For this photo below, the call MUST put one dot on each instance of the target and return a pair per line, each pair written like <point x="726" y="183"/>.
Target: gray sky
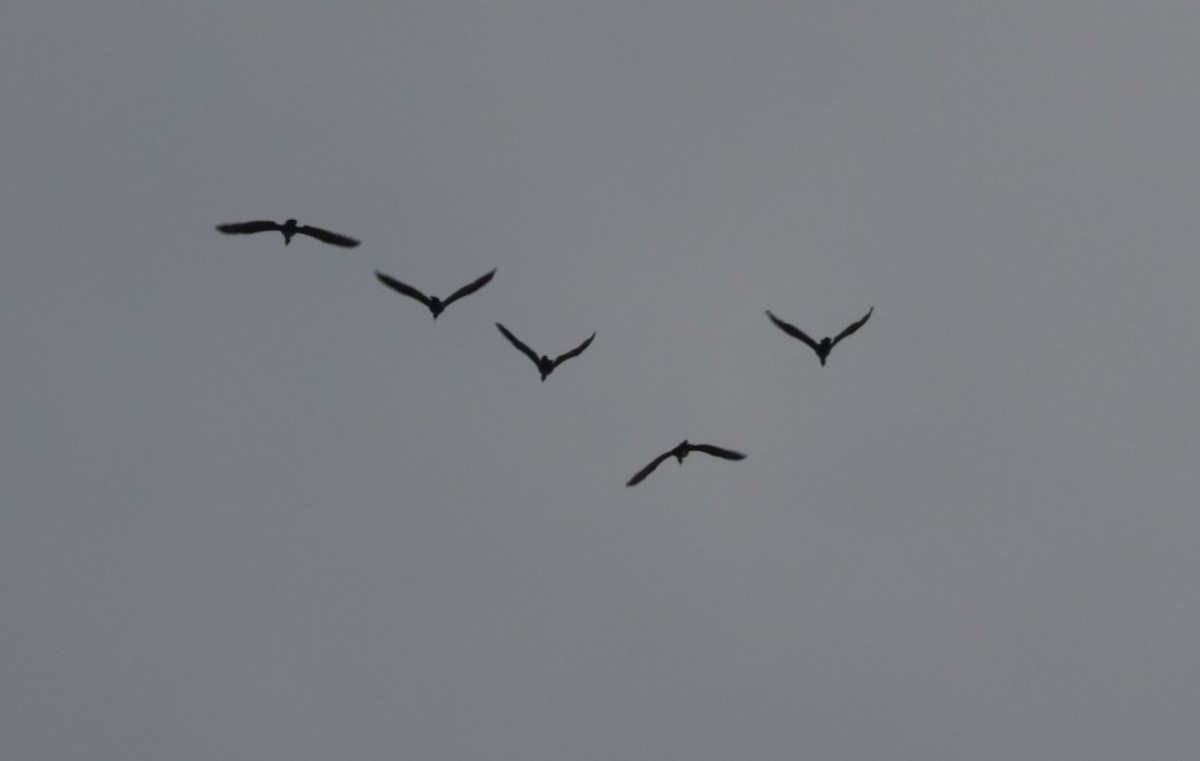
<point x="253" y="505"/>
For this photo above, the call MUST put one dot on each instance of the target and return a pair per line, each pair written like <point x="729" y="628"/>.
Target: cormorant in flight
<point x="288" y="229"/>
<point x="545" y="365"/>
<point x="679" y="453"/>
<point x="436" y="305"/>
<point x="826" y="345"/>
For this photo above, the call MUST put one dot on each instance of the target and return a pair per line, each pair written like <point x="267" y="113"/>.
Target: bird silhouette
<point x="288" y="229"/>
<point x="545" y="365"/>
<point x="826" y="345"/>
<point x="679" y="453"/>
<point x="436" y="305"/>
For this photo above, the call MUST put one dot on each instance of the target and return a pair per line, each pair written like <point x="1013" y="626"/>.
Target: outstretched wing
<point x="573" y="352"/>
<point x="728" y="454"/>
<point x="245" y="228"/>
<point x="517" y="343"/>
<point x="407" y="290"/>
<point x="469" y="289"/>
<point x="853" y="327"/>
<point x="793" y="331"/>
<point x="327" y="237"/>
<point x="641" y="474"/>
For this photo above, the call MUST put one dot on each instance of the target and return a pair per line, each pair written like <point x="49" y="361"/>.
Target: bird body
<point x="545" y="364"/>
<point x="436" y="305"/>
<point x="679" y="453"/>
<point x="826" y="344"/>
<point x="288" y="229"/>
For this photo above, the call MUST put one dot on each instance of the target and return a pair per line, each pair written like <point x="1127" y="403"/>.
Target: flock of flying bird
<point x="544" y="363"/>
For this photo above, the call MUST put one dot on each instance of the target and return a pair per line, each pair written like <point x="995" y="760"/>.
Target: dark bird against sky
<point x="436" y="305"/>
<point x="288" y="229"/>
<point x="679" y="453"/>
<point x="545" y="365"/>
<point x="826" y="345"/>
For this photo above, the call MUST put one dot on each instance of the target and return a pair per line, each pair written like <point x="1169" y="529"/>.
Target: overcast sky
<point x="254" y="505"/>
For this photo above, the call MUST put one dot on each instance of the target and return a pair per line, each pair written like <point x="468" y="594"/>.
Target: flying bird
<point x="826" y="345"/>
<point x="288" y="229"/>
<point x="679" y="453"/>
<point x="436" y="305"/>
<point x="545" y="365"/>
